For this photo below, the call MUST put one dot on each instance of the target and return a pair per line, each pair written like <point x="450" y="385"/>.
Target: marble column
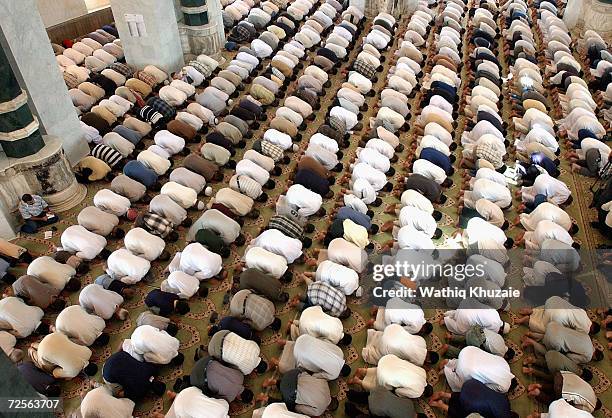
<point x="201" y="27"/>
<point x="152" y="37"/>
<point x="583" y="15"/>
<point x="27" y="47"/>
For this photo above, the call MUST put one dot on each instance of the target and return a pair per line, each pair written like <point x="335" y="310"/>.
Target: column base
<point x="46" y="173"/>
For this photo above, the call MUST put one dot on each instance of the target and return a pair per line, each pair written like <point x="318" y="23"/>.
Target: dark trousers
<point x="31" y="226"/>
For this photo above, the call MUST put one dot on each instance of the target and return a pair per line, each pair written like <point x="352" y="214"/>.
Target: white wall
<point x="54" y="12"/>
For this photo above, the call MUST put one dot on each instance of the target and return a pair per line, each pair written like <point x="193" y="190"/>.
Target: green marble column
<point x="19" y="134"/>
<point x="195" y="12"/>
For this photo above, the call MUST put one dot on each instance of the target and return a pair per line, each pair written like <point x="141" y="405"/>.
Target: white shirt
<point x="184" y="196"/>
<point x="24" y="319"/>
<point x="415" y="199"/>
<point x="182" y="284"/>
<point x="170" y="142"/>
<point x="407" y="379"/>
<point x="338" y="276"/>
<point x="96" y="299"/>
<point x="111" y="202"/>
<point x="192" y="403"/>
<point x="376" y="178"/>
<point x="127" y="267"/>
<point x="249" y="168"/>
<point x="198" y="261"/>
<point x="278" y="138"/>
<point x="396" y="340"/>
<point x="460" y="320"/>
<point x="100" y="402"/>
<point x="78" y="325"/>
<point x="306" y="200"/>
<point x="398" y="311"/>
<point x="374" y="158"/>
<point x="475" y="363"/>
<point x="314" y="322"/>
<point x="278" y="243"/>
<point x="148" y="343"/>
<point x="80" y="241"/>
<point x="144" y="244"/>
<point x="265" y="261"/>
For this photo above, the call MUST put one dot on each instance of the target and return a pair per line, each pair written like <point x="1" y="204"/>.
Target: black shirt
<point x="164" y="301"/>
<point x="134" y="376"/>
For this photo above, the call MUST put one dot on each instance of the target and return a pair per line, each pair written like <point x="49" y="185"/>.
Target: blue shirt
<point x="129" y="134"/>
<point x="359" y="218"/>
<point x="138" y="171"/>
<point x="436" y="157"/>
<point x="546" y="163"/>
<point x="475" y="397"/>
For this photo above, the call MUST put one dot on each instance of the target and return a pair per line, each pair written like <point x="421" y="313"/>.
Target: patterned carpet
<point x="193" y="326"/>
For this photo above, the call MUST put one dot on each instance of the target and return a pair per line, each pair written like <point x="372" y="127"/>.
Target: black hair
<point x="240" y="240"/>
<point x="598" y="405"/>
<point x="270" y="184"/>
<point x="276" y="324"/>
<point x="187" y="222"/>
<point x="26" y="197"/>
<point x="42" y="329"/>
<point x="346" y="370"/>
<point x="178" y="360"/>
<point x="442" y="199"/>
<point x="172" y="236"/>
<point x="283" y="297"/>
<point x="73" y="285"/>
<point x="158" y="388"/>
<point x="306" y="242"/>
<point x="346" y="339"/>
<point x="54" y="390"/>
<point x="182" y="307"/>
<point x="164" y="256"/>
<point x="261" y="367"/>
<point x="505" y="225"/>
<point x="513" y="384"/>
<point x="426" y="328"/>
<point x="437" y="233"/>
<point x="374" y="228"/>
<point x="104" y="253"/>
<point x="509" y="354"/>
<point x="102" y="340"/>
<point x="9" y="278"/>
<point x="172" y="329"/>
<point x="118" y="233"/>
<point x="428" y="391"/>
<point x="224" y="252"/>
<point x="509" y="243"/>
<point x="437" y="215"/>
<point x="246" y="396"/>
<point x="595" y="328"/>
<point x="213" y="330"/>
<point x="91" y="369"/>
<point x="345" y="314"/>
<point x="586" y="375"/>
<point x="82" y="268"/>
<point x="433" y="357"/>
<point x="598" y="355"/>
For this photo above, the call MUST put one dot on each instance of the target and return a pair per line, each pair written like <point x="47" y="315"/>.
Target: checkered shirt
<point x="259" y="310"/>
<point x="206" y="71"/>
<point x="326" y="296"/>
<point x="241" y="34"/>
<point x="167" y="111"/>
<point x="271" y="150"/>
<point x="146" y="77"/>
<point x="156" y="224"/>
<point x="287" y="226"/>
<point x="364" y="68"/>
<point x="123" y="69"/>
<point x="338" y="124"/>
<point x="489" y="153"/>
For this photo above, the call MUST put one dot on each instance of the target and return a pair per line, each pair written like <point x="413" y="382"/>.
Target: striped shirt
<point x="106" y="154"/>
